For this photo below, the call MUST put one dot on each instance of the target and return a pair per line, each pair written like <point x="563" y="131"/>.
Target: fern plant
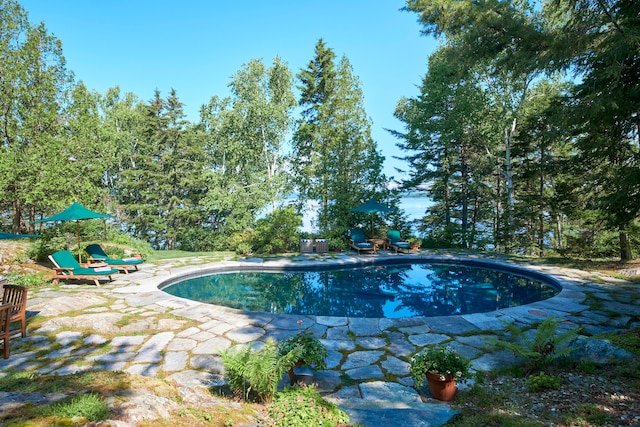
<point x="257" y="372"/>
<point x="540" y="349"/>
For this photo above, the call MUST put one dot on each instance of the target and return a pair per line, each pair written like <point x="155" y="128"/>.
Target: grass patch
<point x="492" y="420"/>
<point x="90" y="406"/>
<point x="587" y="415"/>
<point x="177" y="254"/>
<point x="629" y="340"/>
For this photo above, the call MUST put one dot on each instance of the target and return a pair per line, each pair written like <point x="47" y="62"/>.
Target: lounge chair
<point x="396" y="243"/>
<point x="96" y="254"/>
<point x="67" y="268"/>
<point x="358" y="242"/>
<point x="16" y="296"/>
<point x="5" y="333"/>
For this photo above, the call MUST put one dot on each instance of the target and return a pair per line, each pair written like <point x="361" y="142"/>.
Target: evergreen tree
<point x="163" y="186"/>
<point x="447" y="145"/>
<point x="601" y="41"/>
<point x="335" y="160"/>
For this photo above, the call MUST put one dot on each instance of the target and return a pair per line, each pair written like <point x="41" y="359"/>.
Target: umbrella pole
<point x="78" y="232"/>
<point x="372" y="236"/>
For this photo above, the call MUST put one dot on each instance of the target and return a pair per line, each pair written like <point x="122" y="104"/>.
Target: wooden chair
<point x="16" y="296"/>
<point x="97" y="254"/>
<point x="5" y="333"/>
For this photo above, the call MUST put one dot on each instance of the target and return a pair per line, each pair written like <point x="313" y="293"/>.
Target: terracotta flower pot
<point x="444" y="390"/>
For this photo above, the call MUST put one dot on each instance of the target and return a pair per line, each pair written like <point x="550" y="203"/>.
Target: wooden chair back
<point x="16" y="296"/>
<point x="5" y="333"/>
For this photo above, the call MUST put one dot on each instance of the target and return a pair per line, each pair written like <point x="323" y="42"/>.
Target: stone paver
<point x="189" y="336"/>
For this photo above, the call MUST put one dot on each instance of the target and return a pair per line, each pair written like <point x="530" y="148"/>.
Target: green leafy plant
<point x="337" y="244"/>
<point x="415" y="241"/>
<point x="441" y="360"/>
<point x="243" y="249"/>
<point x="541" y="349"/>
<point x="277" y="232"/>
<point x="542" y="382"/>
<point x="257" y="372"/>
<point x="304" y="406"/>
<point x="313" y="352"/>
<point x="26" y="279"/>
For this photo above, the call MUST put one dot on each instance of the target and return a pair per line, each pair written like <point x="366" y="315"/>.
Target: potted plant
<point x="442" y="367"/>
<point x="337" y="245"/>
<point x="414" y="242"/>
<point x="314" y="353"/>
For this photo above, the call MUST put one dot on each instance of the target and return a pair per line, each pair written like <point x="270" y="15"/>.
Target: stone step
<point x="385" y="404"/>
<point x="386" y="413"/>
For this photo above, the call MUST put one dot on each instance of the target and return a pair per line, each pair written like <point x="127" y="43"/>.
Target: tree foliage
<point x="335" y="161"/>
<point x="33" y="91"/>
<point x="558" y="84"/>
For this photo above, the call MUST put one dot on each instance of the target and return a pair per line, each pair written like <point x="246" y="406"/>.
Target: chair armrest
<point x="62" y="269"/>
<point x="95" y="262"/>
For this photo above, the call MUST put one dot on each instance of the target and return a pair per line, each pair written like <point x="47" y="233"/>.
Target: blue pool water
<point x="384" y="291"/>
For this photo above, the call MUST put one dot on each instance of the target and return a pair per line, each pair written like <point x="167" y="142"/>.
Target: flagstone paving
<point x="131" y="325"/>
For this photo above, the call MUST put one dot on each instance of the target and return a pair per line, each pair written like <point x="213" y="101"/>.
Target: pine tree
<point x="335" y="160"/>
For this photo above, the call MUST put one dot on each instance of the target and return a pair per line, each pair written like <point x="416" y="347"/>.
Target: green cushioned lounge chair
<point x="396" y="243"/>
<point x="358" y="242"/>
<point x="66" y="268"/>
<point x="96" y="254"/>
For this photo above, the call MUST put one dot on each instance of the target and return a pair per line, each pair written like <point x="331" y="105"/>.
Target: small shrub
<point x="304" y="406"/>
<point x="239" y="238"/>
<point x="543" y="382"/>
<point x="278" y="231"/>
<point x="313" y="353"/>
<point x="243" y="249"/>
<point x="29" y="280"/>
<point x="257" y="372"/>
<point x="545" y="347"/>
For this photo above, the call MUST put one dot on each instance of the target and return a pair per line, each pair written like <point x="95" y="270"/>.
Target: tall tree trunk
<point x="17" y="216"/>
<point x="465" y="201"/>
<point x="508" y="138"/>
<point x="625" y="246"/>
<point x="497" y="228"/>
<point x="541" y="208"/>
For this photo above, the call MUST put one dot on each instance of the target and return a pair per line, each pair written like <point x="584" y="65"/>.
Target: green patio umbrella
<point x="372" y="206"/>
<point x="6" y="236"/>
<point x="76" y="212"/>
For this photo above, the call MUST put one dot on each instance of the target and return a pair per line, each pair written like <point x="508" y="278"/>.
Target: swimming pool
<point x="401" y="290"/>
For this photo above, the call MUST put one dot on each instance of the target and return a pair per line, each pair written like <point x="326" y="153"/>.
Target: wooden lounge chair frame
<point x="5" y="332"/>
<point x="398" y="246"/>
<point x="16" y="295"/>
<point x="354" y="241"/>
<point x="68" y="273"/>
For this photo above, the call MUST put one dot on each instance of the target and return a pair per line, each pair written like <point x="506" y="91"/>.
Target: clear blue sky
<point x="195" y="47"/>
